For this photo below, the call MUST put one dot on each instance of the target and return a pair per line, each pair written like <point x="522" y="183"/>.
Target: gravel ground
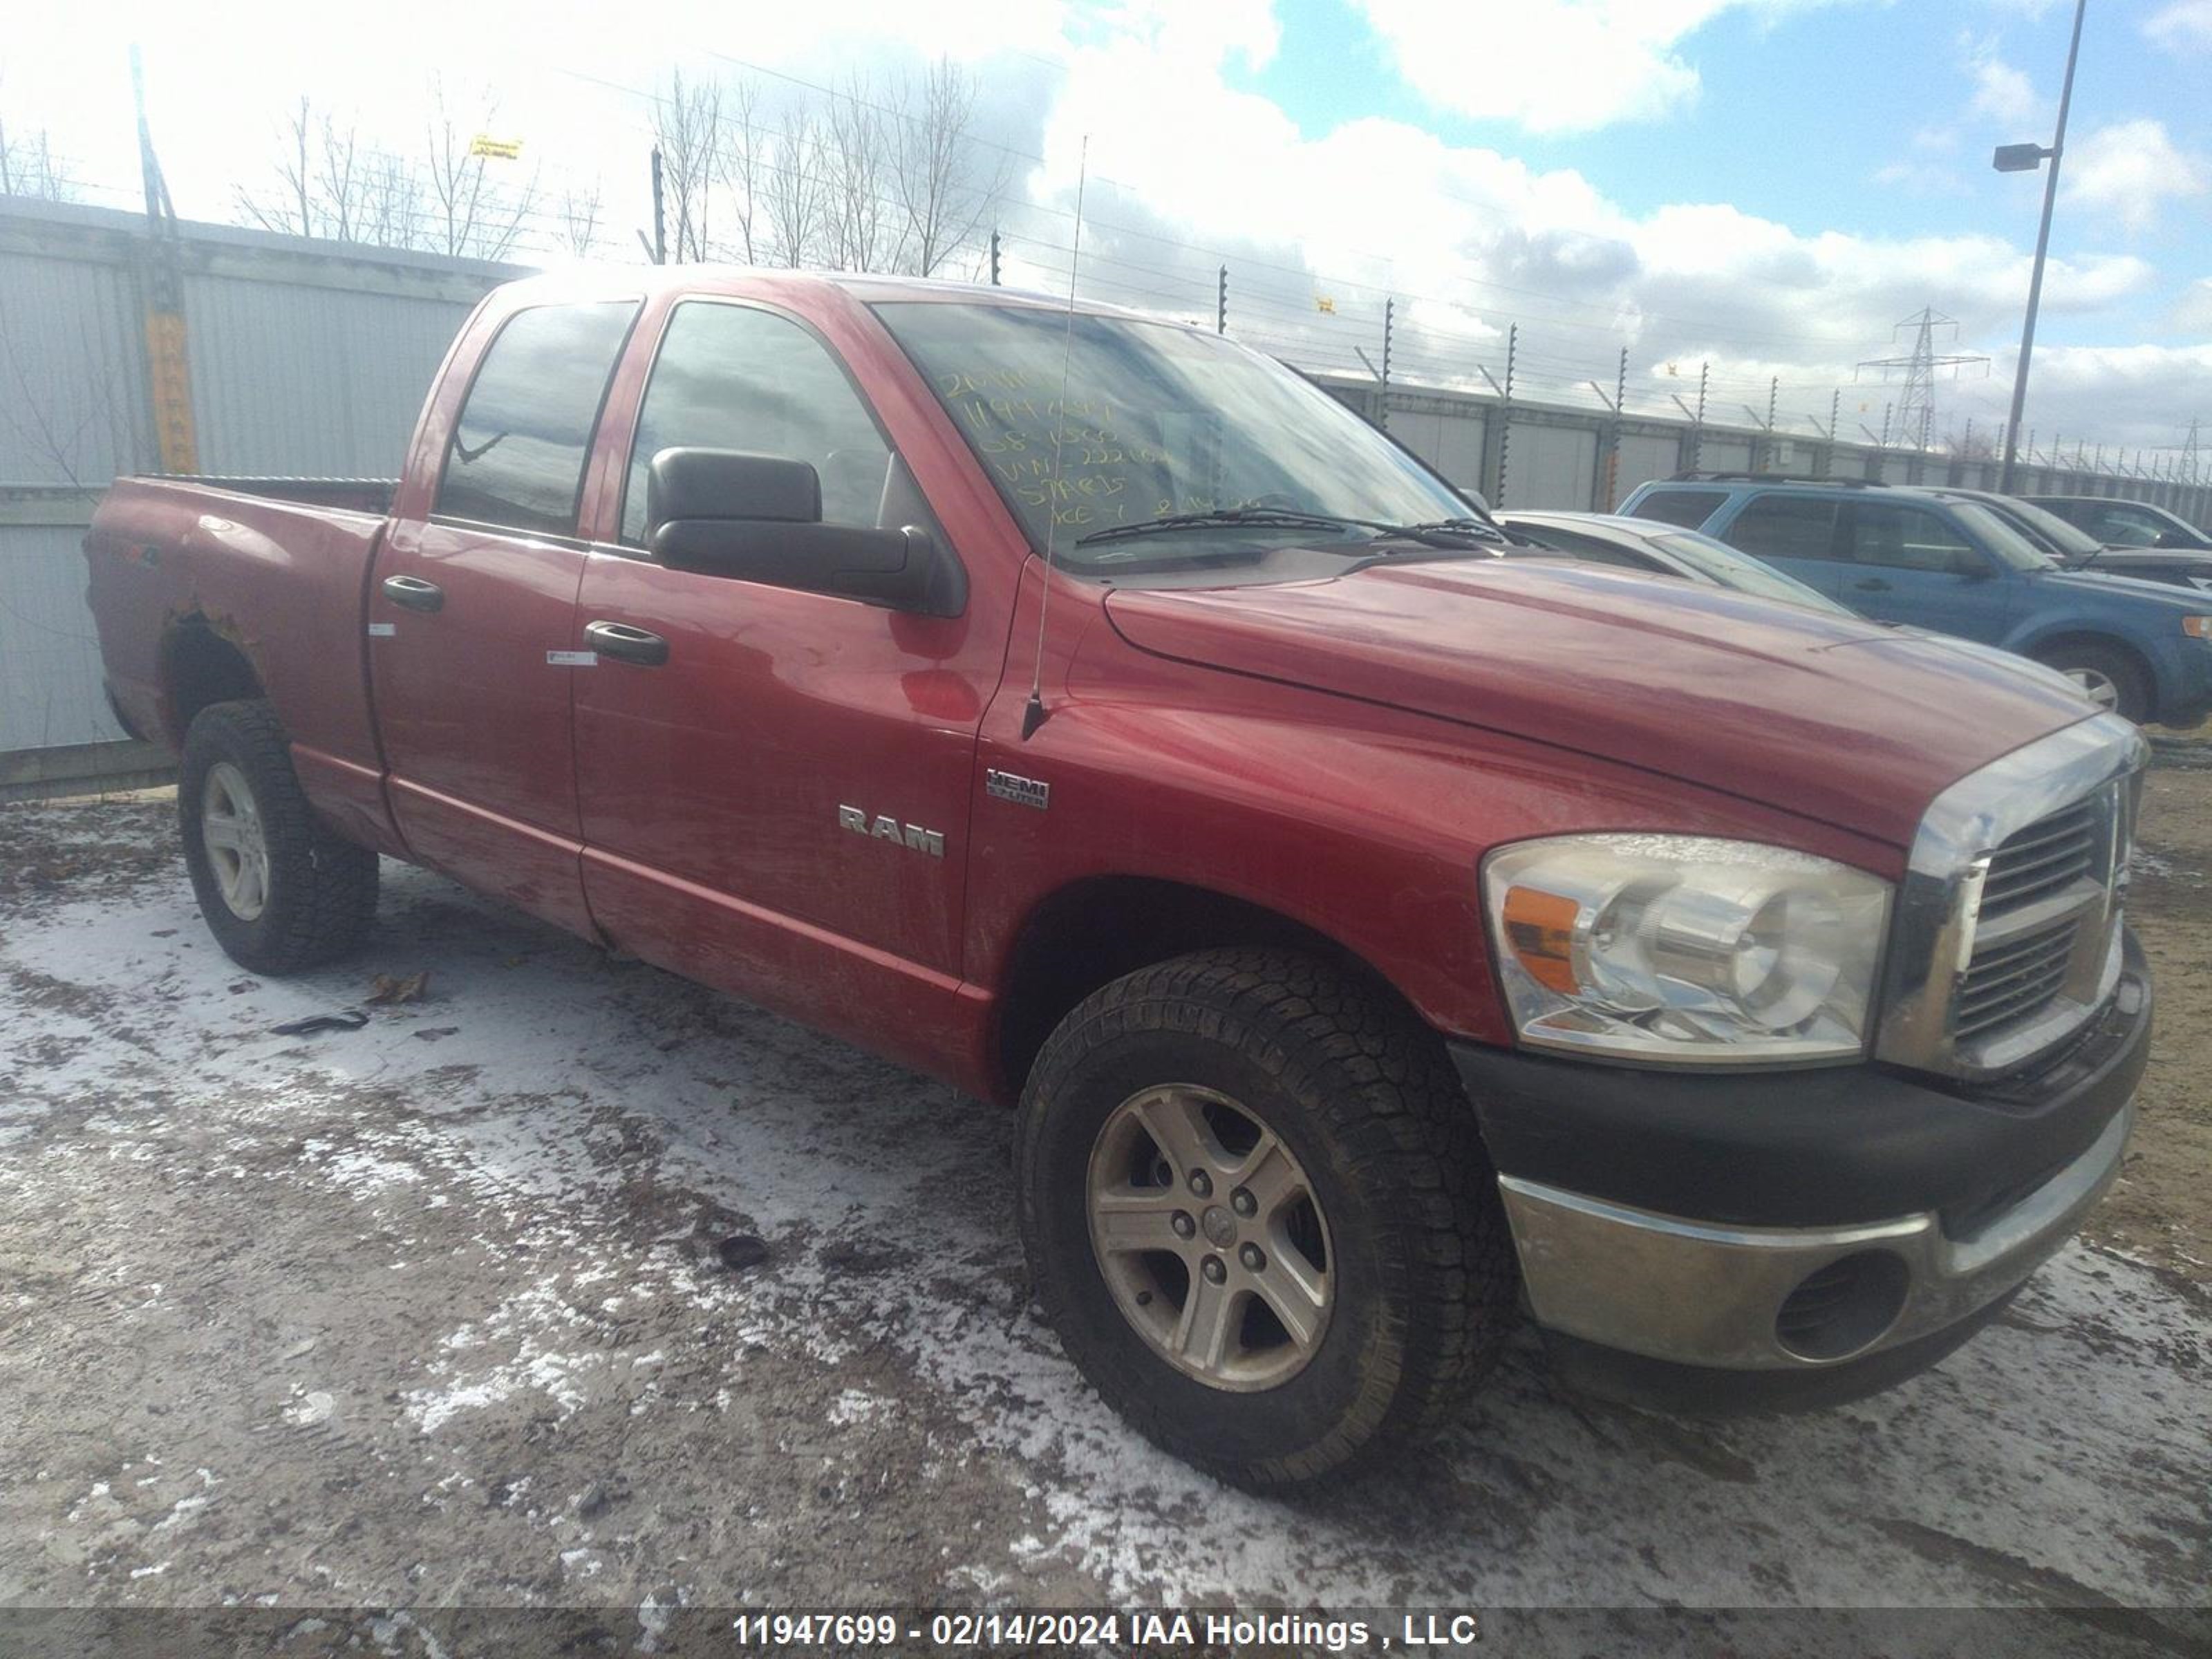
<point x="435" y="1313"/>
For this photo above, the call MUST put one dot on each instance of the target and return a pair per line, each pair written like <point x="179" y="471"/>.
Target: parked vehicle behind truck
<point x="1939" y="561"/>
<point x="1373" y="935"/>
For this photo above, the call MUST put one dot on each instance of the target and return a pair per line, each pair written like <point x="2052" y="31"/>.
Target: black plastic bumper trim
<point x="1809" y="1148"/>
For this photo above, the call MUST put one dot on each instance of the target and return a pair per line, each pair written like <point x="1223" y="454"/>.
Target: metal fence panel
<point x="50" y="674"/>
<point x="1645" y="456"/>
<point x="1551" y="466"/>
<point x="73" y="404"/>
<point x="307" y="381"/>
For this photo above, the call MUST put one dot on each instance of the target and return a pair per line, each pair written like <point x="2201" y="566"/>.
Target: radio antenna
<point x="1033" y="714"/>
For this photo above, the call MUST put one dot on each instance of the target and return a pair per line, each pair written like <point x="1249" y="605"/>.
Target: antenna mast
<point x="1033" y="714"/>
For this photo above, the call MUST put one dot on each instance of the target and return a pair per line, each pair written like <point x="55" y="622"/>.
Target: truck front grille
<point x="2006" y="935"/>
<point x="2013" y="979"/>
<point x="2045" y="858"/>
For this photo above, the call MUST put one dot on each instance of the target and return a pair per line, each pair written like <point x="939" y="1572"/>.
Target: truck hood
<point x="1828" y="716"/>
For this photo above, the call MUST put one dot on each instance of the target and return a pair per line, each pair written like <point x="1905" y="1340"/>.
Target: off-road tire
<point x="321" y="893"/>
<point x="1362" y="1094"/>
<point x="2135" y="697"/>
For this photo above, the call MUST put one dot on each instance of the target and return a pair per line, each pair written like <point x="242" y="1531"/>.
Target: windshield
<point x="1722" y="564"/>
<point x="2004" y="543"/>
<point x="1158" y="420"/>
<point x="2070" y="539"/>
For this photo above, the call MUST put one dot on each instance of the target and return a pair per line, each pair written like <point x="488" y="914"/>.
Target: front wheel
<point x="2108" y="678"/>
<point x="1257" y="1214"/>
<point x="280" y="891"/>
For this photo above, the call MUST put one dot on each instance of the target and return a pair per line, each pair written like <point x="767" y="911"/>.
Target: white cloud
<point x="2185" y="24"/>
<point x="2193" y="312"/>
<point x="1468" y="240"/>
<point x="1552" y="65"/>
<point x="2132" y="170"/>
<point x="2003" y="94"/>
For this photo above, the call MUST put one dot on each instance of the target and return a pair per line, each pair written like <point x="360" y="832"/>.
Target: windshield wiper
<point x="1448" y="532"/>
<point x="1283" y="518"/>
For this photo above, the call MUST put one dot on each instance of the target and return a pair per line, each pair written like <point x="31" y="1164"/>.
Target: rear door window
<point x="2125" y="527"/>
<point x="1779" y="526"/>
<point x="516" y="459"/>
<point x="1908" y="538"/>
<point x="1689" y="509"/>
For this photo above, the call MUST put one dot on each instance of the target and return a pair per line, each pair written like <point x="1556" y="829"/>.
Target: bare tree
<point x="855" y="158"/>
<point x="744" y="160"/>
<point x="289" y="205"/>
<point x="792" y="196"/>
<point x="579" y="230"/>
<point x="29" y="166"/>
<point x="687" y="126"/>
<point x="945" y="186"/>
<point x="469" y="213"/>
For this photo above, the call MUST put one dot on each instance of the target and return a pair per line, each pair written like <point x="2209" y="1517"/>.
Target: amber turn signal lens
<point x="1540" y="928"/>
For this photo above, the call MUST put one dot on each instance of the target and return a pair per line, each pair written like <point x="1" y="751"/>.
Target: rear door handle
<point x="414" y="593"/>
<point x="627" y="644"/>
<point x="1872" y="584"/>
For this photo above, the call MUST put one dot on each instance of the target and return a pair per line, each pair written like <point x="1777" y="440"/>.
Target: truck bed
<point x="271" y="570"/>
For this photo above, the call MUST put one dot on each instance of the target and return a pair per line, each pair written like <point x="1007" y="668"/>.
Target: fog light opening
<point x="1839" y="1309"/>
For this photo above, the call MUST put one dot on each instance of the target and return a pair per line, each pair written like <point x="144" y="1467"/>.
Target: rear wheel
<point x="280" y="891"/>
<point x="1256" y="1213"/>
<point x="2110" y="678"/>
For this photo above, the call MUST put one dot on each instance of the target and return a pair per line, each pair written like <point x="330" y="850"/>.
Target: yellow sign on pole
<point x="498" y="149"/>
<point x="171" y="374"/>
<point x="1325" y="302"/>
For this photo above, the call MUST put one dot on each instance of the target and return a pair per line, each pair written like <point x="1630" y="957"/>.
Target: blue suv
<point x="1957" y="567"/>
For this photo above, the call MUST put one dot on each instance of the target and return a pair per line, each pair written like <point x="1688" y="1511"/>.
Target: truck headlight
<point x="1685" y="949"/>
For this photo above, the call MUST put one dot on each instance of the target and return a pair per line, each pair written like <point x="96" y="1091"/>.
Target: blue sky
<point x="1759" y="187"/>
<point x="1872" y="118"/>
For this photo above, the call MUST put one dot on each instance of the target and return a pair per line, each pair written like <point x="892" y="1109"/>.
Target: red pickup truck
<point x="1381" y="940"/>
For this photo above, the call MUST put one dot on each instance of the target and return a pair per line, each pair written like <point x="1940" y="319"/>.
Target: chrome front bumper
<point x="1692" y="1293"/>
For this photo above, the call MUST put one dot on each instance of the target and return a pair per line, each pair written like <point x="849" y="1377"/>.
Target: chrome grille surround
<point x="1974" y="991"/>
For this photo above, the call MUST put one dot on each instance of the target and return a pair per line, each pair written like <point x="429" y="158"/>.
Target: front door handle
<point x="414" y="593"/>
<point x="1872" y="584"/>
<point x="627" y="644"/>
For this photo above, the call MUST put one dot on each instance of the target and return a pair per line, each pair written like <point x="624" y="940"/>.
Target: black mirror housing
<point x="758" y="517"/>
<point x="902" y="569"/>
<point x="728" y="483"/>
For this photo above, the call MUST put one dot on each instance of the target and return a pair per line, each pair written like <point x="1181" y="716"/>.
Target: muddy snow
<point x="435" y="1313"/>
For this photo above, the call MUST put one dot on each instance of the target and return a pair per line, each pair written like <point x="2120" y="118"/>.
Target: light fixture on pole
<point x="2024" y="158"/>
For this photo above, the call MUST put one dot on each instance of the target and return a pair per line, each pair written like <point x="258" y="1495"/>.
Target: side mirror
<point x="758" y="517"/>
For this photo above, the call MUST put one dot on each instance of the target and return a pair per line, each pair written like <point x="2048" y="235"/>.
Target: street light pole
<point x="2009" y="158"/>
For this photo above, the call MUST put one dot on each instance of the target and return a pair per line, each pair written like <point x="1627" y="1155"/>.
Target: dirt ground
<point x="2161" y="1209"/>
<point x="434" y="1313"/>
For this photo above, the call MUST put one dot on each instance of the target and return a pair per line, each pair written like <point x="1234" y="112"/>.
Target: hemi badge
<point x="572" y="659"/>
<point x="1023" y="791"/>
<point x="382" y="630"/>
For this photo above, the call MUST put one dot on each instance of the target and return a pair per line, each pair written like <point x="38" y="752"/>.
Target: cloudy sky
<point x="1763" y="186"/>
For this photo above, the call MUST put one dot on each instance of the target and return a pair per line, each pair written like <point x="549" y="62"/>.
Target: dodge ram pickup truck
<point x="1381" y="941"/>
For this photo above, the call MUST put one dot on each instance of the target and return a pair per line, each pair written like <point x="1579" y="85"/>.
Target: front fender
<point x="1363" y="823"/>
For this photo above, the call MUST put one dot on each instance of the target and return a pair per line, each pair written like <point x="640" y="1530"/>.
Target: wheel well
<point x="201" y="667"/>
<point x="2044" y="650"/>
<point x="1093" y="932"/>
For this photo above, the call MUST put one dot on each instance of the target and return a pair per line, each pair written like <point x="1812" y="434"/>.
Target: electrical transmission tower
<point x="2189" y="454"/>
<point x="1916" y="404"/>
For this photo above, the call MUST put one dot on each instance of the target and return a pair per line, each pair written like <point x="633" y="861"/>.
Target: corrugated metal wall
<point x="50" y="691"/>
<point x="305" y="358"/>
